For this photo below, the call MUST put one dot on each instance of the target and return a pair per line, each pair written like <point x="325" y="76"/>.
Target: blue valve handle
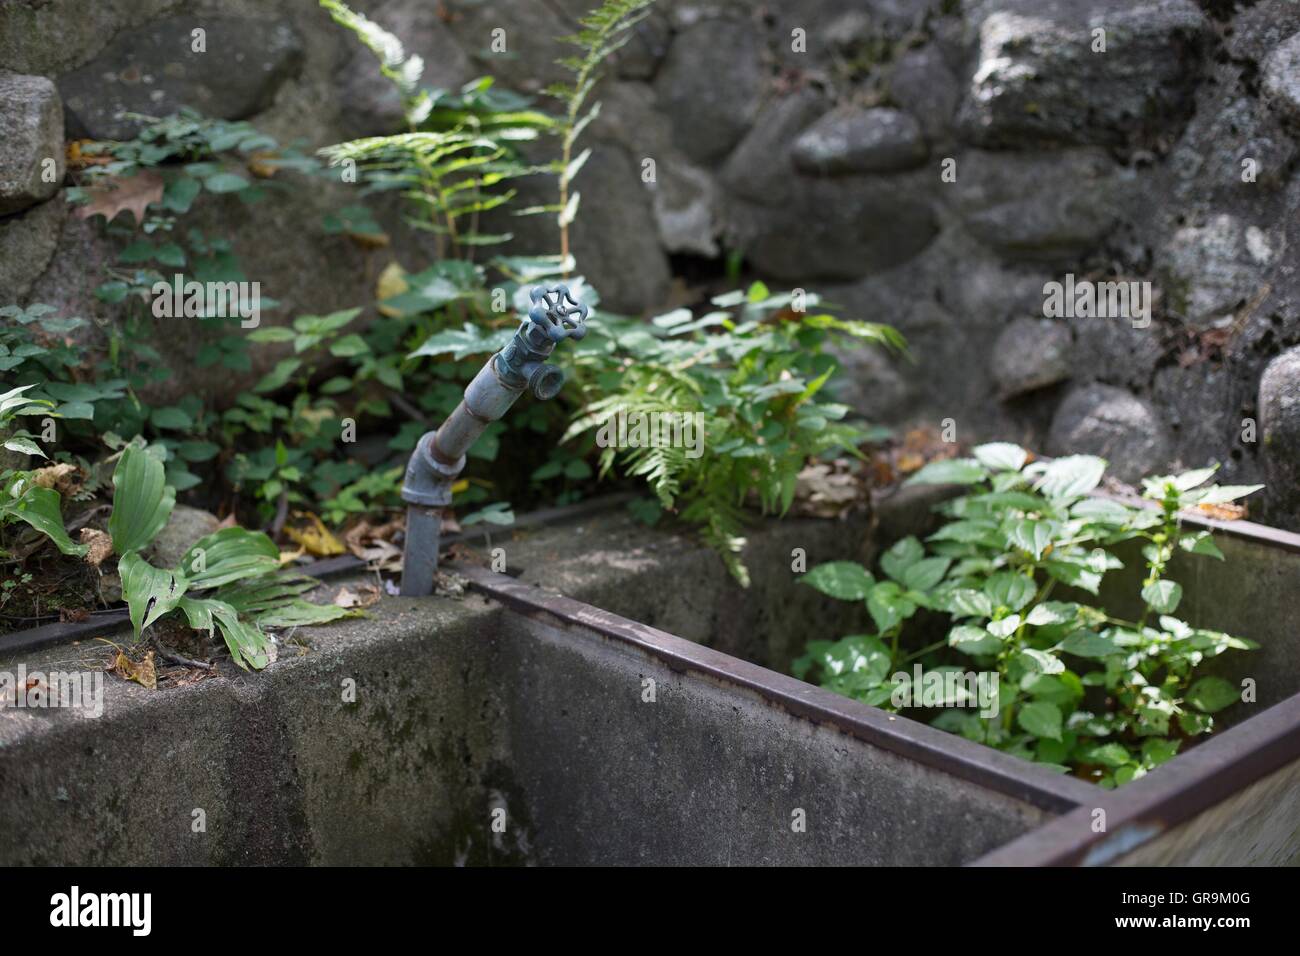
<point x="557" y="313"/>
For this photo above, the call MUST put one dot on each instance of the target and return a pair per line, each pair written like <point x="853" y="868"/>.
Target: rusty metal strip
<point x="1193" y="782"/>
<point x="934" y="748"/>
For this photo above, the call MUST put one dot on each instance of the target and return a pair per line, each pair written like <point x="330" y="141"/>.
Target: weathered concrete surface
<point x="462" y="709"/>
<point x="465" y="713"/>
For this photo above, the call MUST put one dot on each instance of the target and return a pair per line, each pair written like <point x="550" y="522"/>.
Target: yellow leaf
<point x="459" y="486"/>
<point x="143" y="673"/>
<point x="392" y="281"/>
<point x="315" y="537"/>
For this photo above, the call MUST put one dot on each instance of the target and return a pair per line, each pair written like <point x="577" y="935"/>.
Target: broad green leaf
<point x="149" y="592"/>
<point x="1040" y="718"/>
<point x="973" y="640"/>
<point x="887" y="606"/>
<point x="1071" y="477"/>
<point x="1052" y="612"/>
<point x="1163" y="595"/>
<point x="1004" y="627"/>
<point x="949" y="471"/>
<point x="1033" y="536"/>
<point x="1212" y="694"/>
<point x="1202" y="542"/>
<point x="142" y="502"/>
<point x="1222" y="494"/>
<point x="230" y="554"/>
<point x="1089" y="644"/>
<point x="39" y="507"/>
<point x="1001" y="456"/>
<point x="845" y="580"/>
<point x="1010" y="590"/>
<point x="1041" y="662"/>
<point x="901" y="556"/>
<point x="1107" y="755"/>
<point x="925" y="574"/>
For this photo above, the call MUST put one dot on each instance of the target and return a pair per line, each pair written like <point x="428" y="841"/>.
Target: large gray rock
<point x="761" y="168"/>
<point x="1279" y="426"/>
<point x="1038" y="80"/>
<point x="1214" y="268"/>
<point x="853" y="140"/>
<point x="1281" y="83"/>
<point x="1030" y="354"/>
<point x="923" y="85"/>
<point x="710" y="85"/>
<point x="27" y="243"/>
<point x="1038" y="205"/>
<point x="185" y="526"/>
<point x="31" y="141"/>
<point x="371" y="104"/>
<point x="835" y="228"/>
<point x="155" y="70"/>
<point x="1114" y="424"/>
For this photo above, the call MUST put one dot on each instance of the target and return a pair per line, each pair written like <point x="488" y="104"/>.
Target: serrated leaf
<point x="1212" y="694"/>
<point x="949" y="471"/>
<point x="1163" y="595"/>
<point x="1040" y="718"/>
<point x="1001" y="456"/>
<point x="1071" y="477"/>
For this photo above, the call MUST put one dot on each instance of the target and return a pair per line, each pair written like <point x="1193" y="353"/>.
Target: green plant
<point x="750" y="373"/>
<point x="1078" y="687"/>
<point x="604" y="31"/>
<point x="456" y="152"/>
<point x="229" y="581"/>
<point x="22" y="498"/>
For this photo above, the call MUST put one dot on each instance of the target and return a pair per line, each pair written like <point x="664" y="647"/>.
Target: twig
<point x="179" y="659"/>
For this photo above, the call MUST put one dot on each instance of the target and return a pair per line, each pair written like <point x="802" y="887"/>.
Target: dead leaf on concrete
<point x="101" y="545"/>
<point x="142" y="672"/>
<point x="108" y="197"/>
<point x="364" y="596"/>
<point x="314" y="536"/>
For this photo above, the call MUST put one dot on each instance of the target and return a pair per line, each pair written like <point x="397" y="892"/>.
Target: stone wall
<point x="929" y="163"/>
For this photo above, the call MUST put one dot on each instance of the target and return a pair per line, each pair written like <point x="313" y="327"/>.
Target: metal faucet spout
<point x="439" y="455"/>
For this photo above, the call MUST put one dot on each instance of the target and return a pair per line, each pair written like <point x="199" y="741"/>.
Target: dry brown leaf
<point x="314" y="536"/>
<point x="78" y="158"/>
<point x="142" y="672"/>
<point x="263" y="165"/>
<point x="370" y="240"/>
<point x="391" y="282"/>
<point x="133" y="193"/>
<point x="101" y="545"/>
<point x="364" y="596"/>
<point x="54" y="476"/>
<point x="1223" y="512"/>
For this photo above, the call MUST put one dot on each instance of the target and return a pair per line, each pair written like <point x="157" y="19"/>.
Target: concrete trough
<point x="619" y="702"/>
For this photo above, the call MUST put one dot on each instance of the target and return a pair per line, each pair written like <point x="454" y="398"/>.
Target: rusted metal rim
<point x="1191" y="783"/>
<point x="945" y="752"/>
<point x="62" y="632"/>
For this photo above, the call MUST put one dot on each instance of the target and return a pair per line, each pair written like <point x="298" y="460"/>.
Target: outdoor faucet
<point x="439" y="455"/>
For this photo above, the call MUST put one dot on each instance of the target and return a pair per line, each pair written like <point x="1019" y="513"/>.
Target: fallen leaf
<point x="101" y="545"/>
<point x="78" y="158"/>
<point x="1224" y="512"/>
<point x="55" y="476"/>
<point x="142" y="672"/>
<point x="909" y="461"/>
<point x="370" y="240"/>
<point x="369" y="594"/>
<point x="314" y="536"/>
<point x="263" y="165"/>
<point x="73" y="615"/>
<point x="392" y="281"/>
<point x="133" y="193"/>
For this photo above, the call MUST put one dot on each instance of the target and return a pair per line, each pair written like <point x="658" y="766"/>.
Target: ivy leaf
<point x="1040" y="718"/>
<point x="844" y="580"/>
